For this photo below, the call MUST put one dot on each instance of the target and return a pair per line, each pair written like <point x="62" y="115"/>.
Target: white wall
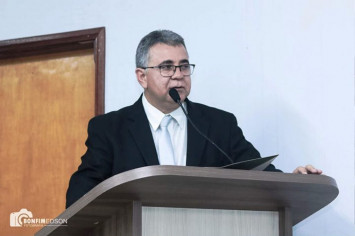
<point x="284" y="68"/>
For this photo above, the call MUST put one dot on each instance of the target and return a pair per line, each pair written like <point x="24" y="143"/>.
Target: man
<point x="135" y="136"/>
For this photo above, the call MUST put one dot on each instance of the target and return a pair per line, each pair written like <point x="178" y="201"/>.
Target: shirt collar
<point x="155" y="116"/>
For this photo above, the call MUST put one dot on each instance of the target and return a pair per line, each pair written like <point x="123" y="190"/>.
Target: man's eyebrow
<point x="170" y="62"/>
<point x="184" y="61"/>
<point x="167" y="62"/>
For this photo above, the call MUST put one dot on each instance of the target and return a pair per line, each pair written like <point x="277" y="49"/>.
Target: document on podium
<point x="253" y="164"/>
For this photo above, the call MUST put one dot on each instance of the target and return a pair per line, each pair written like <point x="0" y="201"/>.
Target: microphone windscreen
<point x="174" y="94"/>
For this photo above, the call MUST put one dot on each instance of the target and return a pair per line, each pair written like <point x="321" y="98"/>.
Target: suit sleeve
<point x="241" y="149"/>
<point x="96" y="163"/>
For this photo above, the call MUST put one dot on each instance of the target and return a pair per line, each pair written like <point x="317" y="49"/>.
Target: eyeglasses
<point x="169" y="70"/>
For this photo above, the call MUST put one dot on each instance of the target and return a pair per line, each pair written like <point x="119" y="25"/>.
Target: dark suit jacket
<point x="122" y="140"/>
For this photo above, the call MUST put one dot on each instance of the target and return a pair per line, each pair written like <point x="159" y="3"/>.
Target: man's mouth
<point x="178" y="88"/>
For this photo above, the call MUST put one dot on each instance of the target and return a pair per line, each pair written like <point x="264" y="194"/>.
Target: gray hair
<point x="159" y="36"/>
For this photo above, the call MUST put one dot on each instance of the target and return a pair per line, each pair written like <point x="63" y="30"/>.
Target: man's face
<point x="156" y="87"/>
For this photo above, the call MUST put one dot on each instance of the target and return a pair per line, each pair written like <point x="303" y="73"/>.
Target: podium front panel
<point x="166" y="221"/>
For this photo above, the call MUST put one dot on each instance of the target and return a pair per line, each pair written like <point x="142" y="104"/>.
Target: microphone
<point x="176" y="97"/>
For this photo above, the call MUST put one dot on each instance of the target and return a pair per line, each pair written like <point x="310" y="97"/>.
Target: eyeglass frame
<point x="160" y="66"/>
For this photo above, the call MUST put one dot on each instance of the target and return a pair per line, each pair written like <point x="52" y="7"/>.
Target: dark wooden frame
<point x="64" y="42"/>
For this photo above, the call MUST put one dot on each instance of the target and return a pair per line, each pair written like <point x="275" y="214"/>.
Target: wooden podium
<point x="194" y="201"/>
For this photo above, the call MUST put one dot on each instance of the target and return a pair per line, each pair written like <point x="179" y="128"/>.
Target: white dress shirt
<point x="177" y="129"/>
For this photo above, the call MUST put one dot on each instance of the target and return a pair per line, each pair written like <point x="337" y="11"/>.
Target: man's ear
<point x="141" y="77"/>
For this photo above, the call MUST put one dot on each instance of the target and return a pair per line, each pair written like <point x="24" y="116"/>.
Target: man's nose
<point x="177" y="74"/>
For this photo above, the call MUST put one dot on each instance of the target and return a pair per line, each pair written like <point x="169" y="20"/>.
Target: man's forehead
<point x="166" y="53"/>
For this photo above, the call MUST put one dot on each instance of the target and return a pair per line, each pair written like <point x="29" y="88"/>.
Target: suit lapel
<point x="142" y="134"/>
<point x="195" y="142"/>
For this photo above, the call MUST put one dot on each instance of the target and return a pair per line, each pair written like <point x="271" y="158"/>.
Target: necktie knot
<point x="165" y="121"/>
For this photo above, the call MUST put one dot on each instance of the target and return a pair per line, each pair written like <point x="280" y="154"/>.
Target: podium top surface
<point x="203" y="187"/>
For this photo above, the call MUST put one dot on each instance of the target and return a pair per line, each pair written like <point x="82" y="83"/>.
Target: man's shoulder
<point x="207" y="110"/>
<point x="118" y="115"/>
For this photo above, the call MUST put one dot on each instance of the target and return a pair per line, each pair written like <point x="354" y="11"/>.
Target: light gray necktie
<point x="166" y="152"/>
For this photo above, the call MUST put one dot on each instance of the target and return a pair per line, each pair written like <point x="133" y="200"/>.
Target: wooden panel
<point x="285" y="222"/>
<point x="45" y="103"/>
<point x="125" y="221"/>
<point x="161" y="221"/>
